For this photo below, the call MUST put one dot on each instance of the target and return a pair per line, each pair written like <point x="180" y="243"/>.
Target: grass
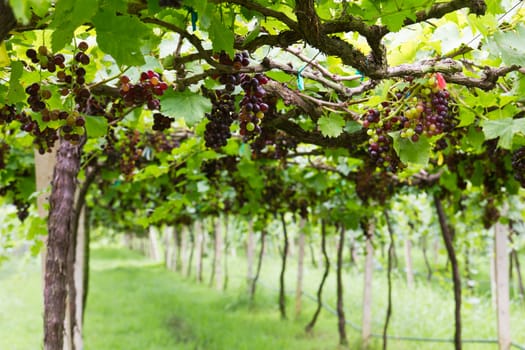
<point x="136" y="304"/>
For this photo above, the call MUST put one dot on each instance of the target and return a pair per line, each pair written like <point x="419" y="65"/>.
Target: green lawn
<point x="136" y="304"/>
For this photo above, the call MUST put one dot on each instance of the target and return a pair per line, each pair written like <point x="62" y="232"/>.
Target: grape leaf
<point x="331" y="125"/>
<point x="504" y="129"/>
<point x="509" y="45"/>
<point x="221" y="37"/>
<point x="16" y="91"/>
<point x="412" y="152"/>
<point x="123" y="44"/>
<point x="4" y="57"/>
<point x="68" y="16"/>
<point x="185" y="104"/>
<point x="96" y="126"/>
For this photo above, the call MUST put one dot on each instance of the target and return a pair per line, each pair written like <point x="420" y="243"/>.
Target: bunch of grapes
<point x="69" y="75"/>
<point x="47" y="60"/>
<point x="161" y="142"/>
<point x="170" y="3"/>
<point x="145" y="91"/>
<point x="272" y="143"/>
<point x="130" y="153"/>
<point x="422" y="108"/>
<point x="4" y="154"/>
<point x="212" y="167"/>
<point x="252" y="105"/>
<point x="518" y="165"/>
<point x="221" y="117"/>
<point x="7" y="114"/>
<point x="161" y="122"/>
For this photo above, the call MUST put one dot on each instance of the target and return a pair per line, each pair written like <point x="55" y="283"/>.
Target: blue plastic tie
<point x="194" y="17"/>
<point x="361" y="74"/>
<point x="300" y="80"/>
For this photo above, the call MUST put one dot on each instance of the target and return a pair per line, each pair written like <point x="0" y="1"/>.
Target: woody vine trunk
<point x="61" y="214"/>
<point x="447" y="233"/>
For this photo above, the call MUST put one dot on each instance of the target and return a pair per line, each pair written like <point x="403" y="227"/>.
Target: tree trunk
<point x="425" y="258"/>
<point x="61" y="208"/>
<point x="341" y="323"/>
<point x="408" y="263"/>
<point x="7" y="20"/>
<point x="177" y="248"/>
<point x="259" y="266"/>
<point x="191" y="233"/>
<point x="250" y="251"/>
<point x="282" y="291"/>
<point x="389" y="277"/>
<point x="300" y="268"/>
<point x="366" y="331"/>
<point x="446" y="231"/>
<point x="502" y="286"/>
<point x="311" y="325"/>
<point x="514" y="256"/>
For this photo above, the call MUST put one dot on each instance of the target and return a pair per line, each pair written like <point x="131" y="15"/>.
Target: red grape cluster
<point x="272" y="143"/>
<point x="252" y="105"/>
<point x="221" y="117"/>
<point x="170" y="3"/>
<point x="130" y="153"/>
<point x="161" y="142"/>
<point x="161" y="122"/>
<point x="420" y="108"/>
<point x="518" y="165"/>
<point x="4" y="154"/>
<point x="72" y="80"/>
<point x="144" y="92"/>
<point x="46" y="59"/>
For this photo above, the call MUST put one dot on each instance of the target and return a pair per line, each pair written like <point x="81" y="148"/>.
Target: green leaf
<point x="222" y="37"/>
<point x="68" y="16"/>
<point x="504" y="129"/>
<point x="186" y="104"/>
<point x="331" y="125"/>
<point x="412" y="152"/>
<point x="121" y="37"/>
<point x="96" y="126"/>
<point x="16" y="91"/>
<point x="509" y="45"/>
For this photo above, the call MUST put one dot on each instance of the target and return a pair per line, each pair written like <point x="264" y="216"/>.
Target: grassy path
<point x="134" y="304"/>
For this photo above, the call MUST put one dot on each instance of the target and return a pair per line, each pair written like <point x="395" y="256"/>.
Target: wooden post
<point x="218" y="253"/>
<point x="366" y="331"/>
<point x="502" y="286"/>
<point x="79" y="270"/>
<point x="154" y="244"/>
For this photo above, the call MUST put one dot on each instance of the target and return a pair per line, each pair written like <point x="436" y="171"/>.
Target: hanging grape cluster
<point x="70" y="77"/>
<point x="223" y="114"/>
<point x="274" y="144"/>
<point x="4" y="154"/>
<point x="144" y="92"/>
<point x="518" y="165"/>
<point x="417" y="108"/>
<point x="161" y="122"/>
